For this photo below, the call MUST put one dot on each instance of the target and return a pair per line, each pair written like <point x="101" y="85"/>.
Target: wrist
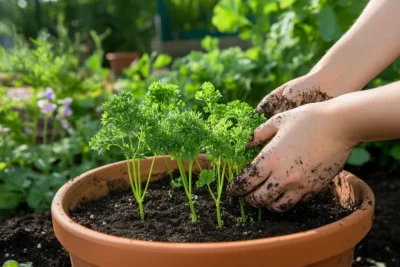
<point x="321" y="77"/>
<point x="336" y="114"/>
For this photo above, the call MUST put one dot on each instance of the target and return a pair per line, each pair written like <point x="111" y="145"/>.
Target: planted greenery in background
<point x="288" y="38"/>
<point x="239" y="74"/>
<point x="127" y="19"/>
<point x="47" y="62"/>
<point x="185" y="15"/>
<point x="293" y="35"/>
<point x="142" y="73"/>
<point x="47" y="114"/>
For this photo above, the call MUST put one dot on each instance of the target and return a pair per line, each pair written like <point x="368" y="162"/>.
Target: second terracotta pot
<point x="330" y="245"/>
<point x="120" y="61"/>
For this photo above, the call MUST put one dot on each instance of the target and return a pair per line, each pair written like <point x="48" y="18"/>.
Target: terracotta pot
<point x="120" y="61"/>
<point x="330" y="245"/>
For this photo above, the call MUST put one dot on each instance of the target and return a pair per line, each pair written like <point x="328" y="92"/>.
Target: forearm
<point x="369" y="115"/>
<point x="371" y="45"/>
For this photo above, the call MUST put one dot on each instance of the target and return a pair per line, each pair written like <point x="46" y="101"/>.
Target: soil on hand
<point x="30" y="238"/>
<point x="167" y="216"/>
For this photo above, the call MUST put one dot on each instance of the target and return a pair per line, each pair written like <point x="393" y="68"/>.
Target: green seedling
<point x="205" y="179"/>
<point x="230" y="127"/>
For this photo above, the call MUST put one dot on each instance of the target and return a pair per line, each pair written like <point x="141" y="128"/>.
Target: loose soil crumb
<point x="167" y="217"/>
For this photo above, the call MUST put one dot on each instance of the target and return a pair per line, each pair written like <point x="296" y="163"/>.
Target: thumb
<point x="264" y="132"/>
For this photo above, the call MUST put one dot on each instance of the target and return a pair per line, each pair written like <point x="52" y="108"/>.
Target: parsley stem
<point x="242" y="210"/>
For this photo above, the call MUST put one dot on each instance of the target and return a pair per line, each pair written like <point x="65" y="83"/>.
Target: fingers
<point x="252" y="176"/>
<point x="286" y="202"/>
<point x="269" y="104"/>
<point x="307" y="197"/>
<point x="264" y="132"/>
<point x="265" y="194"/>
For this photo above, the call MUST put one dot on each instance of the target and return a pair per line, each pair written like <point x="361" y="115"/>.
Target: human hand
<point x="303" y="90"/>
<point x="308" y="149"/>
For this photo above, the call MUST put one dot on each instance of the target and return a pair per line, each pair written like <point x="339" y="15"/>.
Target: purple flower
<point x="66" y="102"/>
<point x="48" y="93"/>
<point x="64" y="123"/>
<point x="19" y="94"/>
<point x="64" y="110"/>
<point x="46" y="107"/>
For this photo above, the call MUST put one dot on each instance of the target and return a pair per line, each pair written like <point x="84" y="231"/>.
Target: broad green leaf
<point x="209" y="43"/>
<point x="345" y="3"/>
<point x="395" y="152"/>
<point x="19" y="177"/>
<point x="358" y="157"/>
<point x="161" y="61"/>
<point x="35" y="199"/>
<point x="286" y="3"/>
<point x="246" y="34"/>
<point x="227" y="16"/>
<point x="253" y="53"/>
<point x="94" y="62"/>
<point x="10" y="196"/>
<point x="3" y="165"/>
<point x="270" y="7"/>
<point x="357" y="6"/>
<point x="143" y="65"/>
<point x="328" y="24"/>
<point x="11" y="263"/>
<point x="44" y="163"/>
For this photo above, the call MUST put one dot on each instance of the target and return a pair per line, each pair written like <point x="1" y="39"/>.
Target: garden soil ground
<point x="31" y="238"/>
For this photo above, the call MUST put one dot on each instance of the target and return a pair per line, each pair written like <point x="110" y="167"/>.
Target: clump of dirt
<point x="274" y="104"/>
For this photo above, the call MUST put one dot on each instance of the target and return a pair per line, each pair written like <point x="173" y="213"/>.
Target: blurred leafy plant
<point x="239" y="74"/>
<point x="127" y="20"/>
<point x="12" y="263"/>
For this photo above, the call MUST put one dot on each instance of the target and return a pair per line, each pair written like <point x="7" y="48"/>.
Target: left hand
<point x="308" y="149"/>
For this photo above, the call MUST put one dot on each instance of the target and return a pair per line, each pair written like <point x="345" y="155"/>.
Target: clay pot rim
<point x="61" y="216"/>
<point x="122" y="55"/>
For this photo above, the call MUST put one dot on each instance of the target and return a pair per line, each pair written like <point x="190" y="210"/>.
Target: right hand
<point x="303" y="90"/>
<point x="308" y="146"/>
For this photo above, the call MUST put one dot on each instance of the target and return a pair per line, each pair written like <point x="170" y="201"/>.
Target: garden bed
<point x="31" y="238"/>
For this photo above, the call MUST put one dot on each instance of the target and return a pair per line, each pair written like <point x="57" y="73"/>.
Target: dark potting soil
<point x="381" y="245"/>
<point x="167" y="216"/>
<point x="30" y="238"/>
